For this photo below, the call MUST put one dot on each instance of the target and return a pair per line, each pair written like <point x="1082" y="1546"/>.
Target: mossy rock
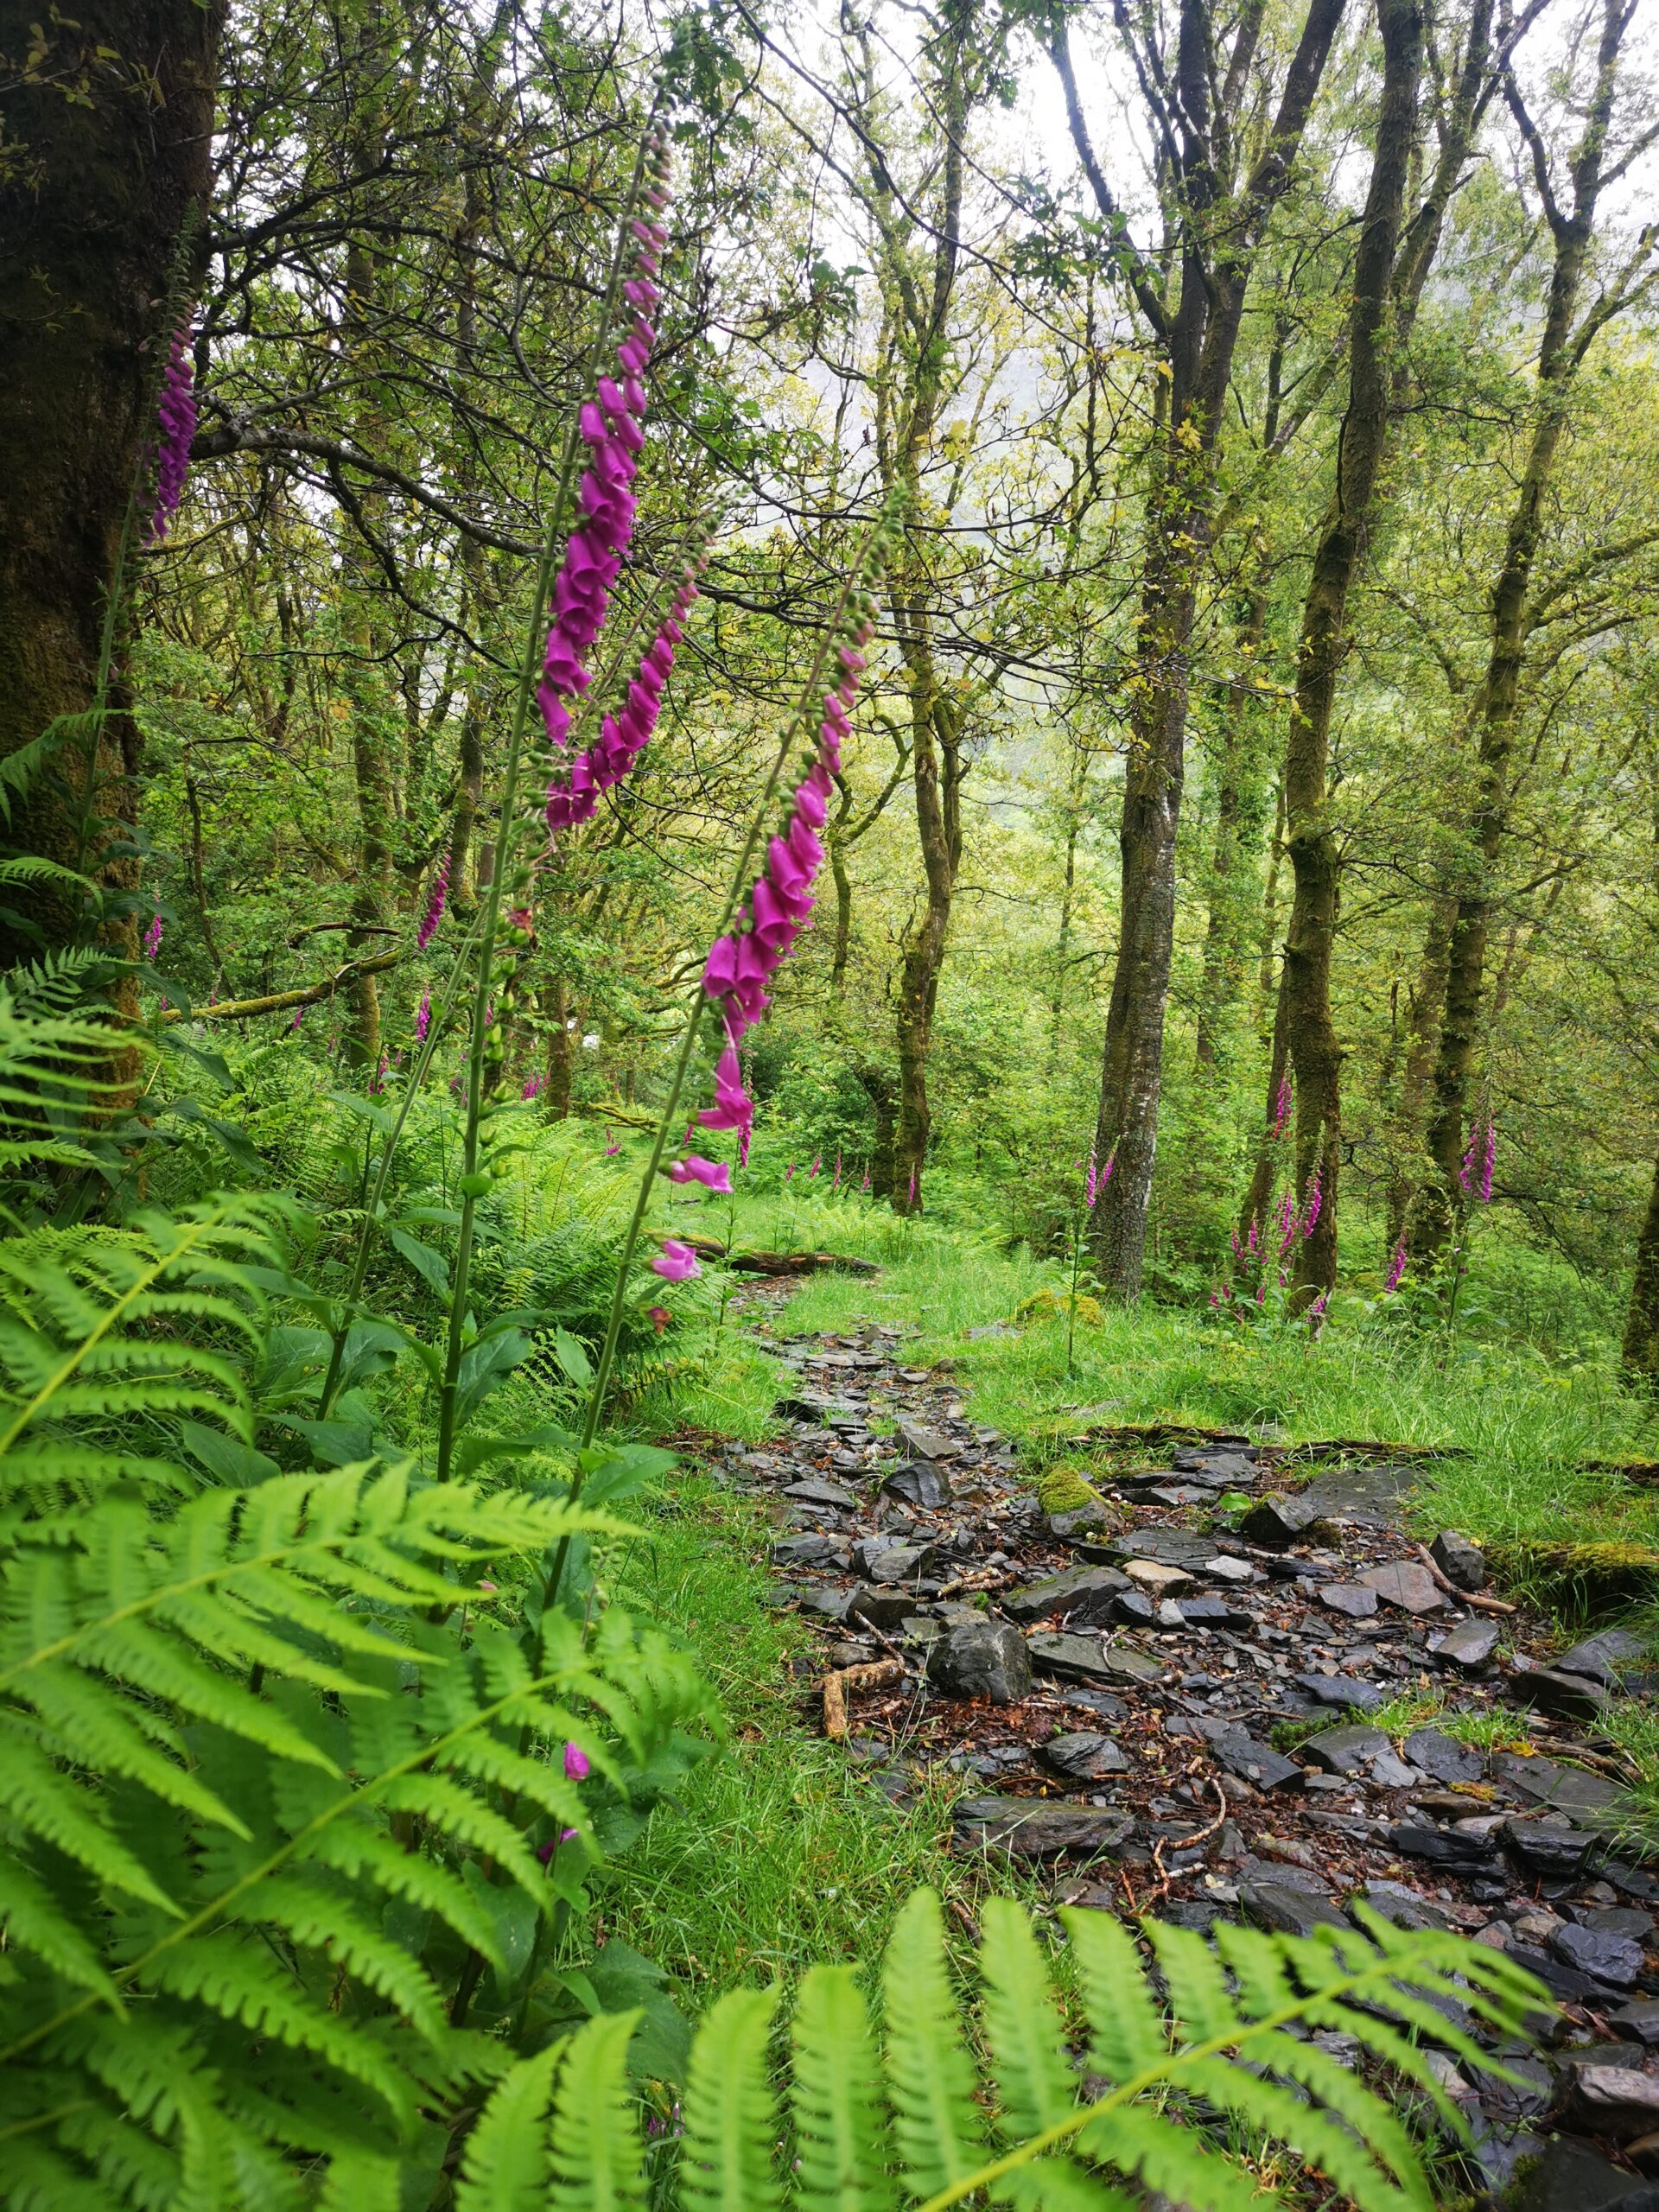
<point x="1597" y="1577"/>
<point x="1064" y="1488"/>
<point x="1050" y="1304"/>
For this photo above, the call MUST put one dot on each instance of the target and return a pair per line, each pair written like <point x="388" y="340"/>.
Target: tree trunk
<point x="880" y="1090"/>
<point x="94" y="195"/>
<point x="1639" y="1355"/>
<point x="1560" y="355"/>
<point x="557" y="1009"/>
<point x="1237" y="838"/>
<point x="1310" y="1028"/>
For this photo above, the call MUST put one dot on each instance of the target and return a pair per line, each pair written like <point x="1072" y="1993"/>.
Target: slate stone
<point x="1240" y="1755"/>
<point x="1459" y="1561"/>
<point x="1404" y="1584"/>
<point x="1571" y="2177"/>
<point x="1157" y="1577"/>
<point x="1288" y="1912"/>
<point x="1569" y="1697"/>
<point x="1389" y="1772"/>
<point x="1172" y="1546"/>
<point x="1361" y="1497"/>
<point x="1177" y="1495"/>
<point x="1617" y="1920"/>
<point x="1346" y="1751"/>
<point x="1133" y="1608"/>
<point x="801" y="1407"/>
<point x="814" y="1491"/>
<point x="880" y="1561"/>
<point x="803" y="1551"/>
<point x="1596" y="1951"/>
<point x="1614" y="2100"/>
<point x="1223" y="1568"/>
<point x="1552" y="1853"/>
<point x="982" y="1659"/>
<point x="832" y="1605"/>
<point x="1275" y="1520"/>
<point x="1084" y="1757"/>
<point x="1038" y="1827"/>
<point x="1086" y="1659"/>
<point x="1220" y="1470"/>
<point x="883" y="1609"/>
<point x="1443" y="1757"/>
<point x="1640" y="2019"/>
<point x="1083" y="1594"/>
<point x="918" y="1482"/>
<point x="1212" y="1612"/>
<point x="928" y="1443"/>
<point x="1395" y="1902"/>
<point x="1348" y="1598"/>
<point x="1342" y="1691"/>
<point x="1437" y="1848"/>
<point x="1469" y="1644"/>
<point x="1604" y="1658"/>
<point x="1075" y="1522"/>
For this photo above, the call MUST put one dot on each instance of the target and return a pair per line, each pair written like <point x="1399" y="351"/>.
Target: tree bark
<point x="1309" y="1027"/>
<point x="1639" y="1355"/>
<point x="1218" y="247"/>
<point x="1560" y="355"/>
<point x="109" y="142"/>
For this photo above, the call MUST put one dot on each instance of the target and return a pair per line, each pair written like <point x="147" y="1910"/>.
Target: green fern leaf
<point x="731" y="2119"/>
<point x="595" y="2137"/>
<point x="931" y="2077"/>
<point x="1141" y="2142"/>
<point x="1035" y="2084"/>
<point x="1127" y="2036"/>
<point x="505" y="2168"/>
<point x="840" y="2122"/>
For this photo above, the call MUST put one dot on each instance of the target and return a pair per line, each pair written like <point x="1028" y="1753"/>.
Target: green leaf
<point x="731" y="2117"/>
<point x="1035" y="2081"/>
<point x="841" y="2121"/>
<point x="504" y="2166"/>
<point x="431" y="1265"/>
<point x="931" y="2077"/>
<point x="595" y="2139"/>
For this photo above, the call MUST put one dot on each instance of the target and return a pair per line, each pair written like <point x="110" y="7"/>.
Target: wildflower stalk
<point x="491" y="909"/>
<point x="669" y="1117"/>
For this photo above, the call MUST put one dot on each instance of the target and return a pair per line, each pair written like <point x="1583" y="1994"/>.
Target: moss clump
<point x="1064" y="1488"/>
<point x="1597" y="1575"/>
<point x="1050" y="1304"/>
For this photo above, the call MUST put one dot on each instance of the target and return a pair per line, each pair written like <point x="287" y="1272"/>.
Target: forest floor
<point x="1117" y="1656"/>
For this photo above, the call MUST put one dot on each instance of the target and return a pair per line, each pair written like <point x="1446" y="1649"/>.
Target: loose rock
<point x="1084" y="1757"/>
<point x="982" y="1659"/>
<point x="1404" y="1584"/>
<point x="1458" y="1561"/>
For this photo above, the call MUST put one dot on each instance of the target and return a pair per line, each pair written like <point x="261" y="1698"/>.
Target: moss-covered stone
<point x="1050" y="1305"/>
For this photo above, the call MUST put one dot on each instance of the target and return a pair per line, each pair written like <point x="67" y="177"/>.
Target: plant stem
<point x="491" y="912"/>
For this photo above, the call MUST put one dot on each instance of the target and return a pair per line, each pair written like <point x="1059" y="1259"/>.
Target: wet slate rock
<point x="985" y="1659"/>
<point x="1085" y="1659"/>
<point x="1219" y="1470"/>
<point x="831" y="1605"/>
<point x="1168" y="1547"/>
<point x="1038" y="1827"/>
<point x="883" y="1609"/>
<point x="1361" y="1497"/>
<point x="1550" y="1852"/>
<point x="1276" y="1520"/>
<point x="1436" y="1847"/>
<point x="918" y="1482"/>
<point x="1213" y="1612"/>
<point x="1342" y="1691"/>
<point x="1285" y="1911"/>
<point x="1403" y="1584"/>
<point x="1083" y="1758"/>
<point x="1566" y="1697"/>
<point x="1133" y="1608"/>
<point x="1083" y="1594"/>
<point x="1348" y="1599"/>
<point x="1605" y="1658"/>
<point x="927" y="1443"/>
<point x="1616" y="2100"/>
<point x="1346" y="1751"/>
<point x="1569" y="2177"/>
<point x="1640" y="2020"/>
<point x="1599" y="1952"/>
<point x="1442" y="1756"/>
<point x="1469" y="1644"/>
<point x="814" y="1491"/>
<point x="880" y="1561"/>
<point x="1395" y="1902"/>
<point x="805" y="1551"/>
<point x="1586" y="1799"/>
<point x="1240" y="1755"/>
<point x="1459" y="1561"/>
<point x="1076" y="1522"/>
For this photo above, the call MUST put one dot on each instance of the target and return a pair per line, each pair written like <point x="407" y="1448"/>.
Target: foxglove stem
<point x="491" y="912"/>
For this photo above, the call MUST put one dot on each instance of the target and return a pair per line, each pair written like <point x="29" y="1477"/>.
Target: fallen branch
<point x="1463" y="1597"/>
<point x="772" y="1264"/>
<point x="282" y="1001"/>
<point x="837" y="1685"/>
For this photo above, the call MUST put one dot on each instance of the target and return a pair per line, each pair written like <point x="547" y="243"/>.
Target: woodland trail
<point x="1106" y="1682"/>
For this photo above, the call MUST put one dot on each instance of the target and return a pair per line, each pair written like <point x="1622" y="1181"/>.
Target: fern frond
<point x="839" y="2115"/>
<point x="731" y="2115"/>
<point x="1023" y="2030"/>
<point x="505" y="2168"/>
<point x="1125" y="2030"/>
<point x="595" y="2148"/>
<point x="930" y="2076"/>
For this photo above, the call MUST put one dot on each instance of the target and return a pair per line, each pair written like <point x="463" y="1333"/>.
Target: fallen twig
<point x="1463" y="1597"/>
<point x="836" y="1686"/>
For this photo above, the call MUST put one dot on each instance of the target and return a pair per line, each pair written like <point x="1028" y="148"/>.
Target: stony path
<point x="1108" y="1681"/>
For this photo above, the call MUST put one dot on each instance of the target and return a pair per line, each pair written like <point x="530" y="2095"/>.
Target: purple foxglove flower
<point x="177" y="413"/>
<point x="913" y="1186"/>
<point x="1282" y="1107"/>
<point x="1315" y="1200"/>
<point x="1316" y="1311"/>
<point x="424" y="1018"/>
<point x="676" y="1262"/>
<point x="433" y="914"/>
<point x="299" y="1016"/>
<point x="695" y="1169"/>
<point x="1396" y="1267"/>
<point x="1091" y="1186"/>
<point x="812" y="1172"/>
<point x="1488" y="1161"/>
<point x="576" y="1766"/>
<point x="789" y="1172"/>
<point x="865" y="1185"/>
<point x="532" y="1084"/>
<point x="835" y="1186"/>
<point x="613" y="1147"/>
<point x="153" y="938"/>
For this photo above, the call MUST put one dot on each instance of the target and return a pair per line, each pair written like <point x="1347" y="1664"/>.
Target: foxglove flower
<point x="1091" y="1186"/>
<point x="610" y="430"/>
<point x="434" y="907"/>
<point x="424" y="1018"/>
<point x="574" y="796"/>
<point x="153" y="938"/>
<point x="1282" y="1107"/>
<point x="676" y="1262"/>
<point x="1396" y="1267"/>
<point x="177" y="413"/>
<point x="1315" y="1200"/>
<point x="576" y="1765"/>
<point x="695" y="1169"/>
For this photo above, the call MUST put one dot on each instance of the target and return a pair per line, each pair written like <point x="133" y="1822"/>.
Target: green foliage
<point x="1112" y="2072"/>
